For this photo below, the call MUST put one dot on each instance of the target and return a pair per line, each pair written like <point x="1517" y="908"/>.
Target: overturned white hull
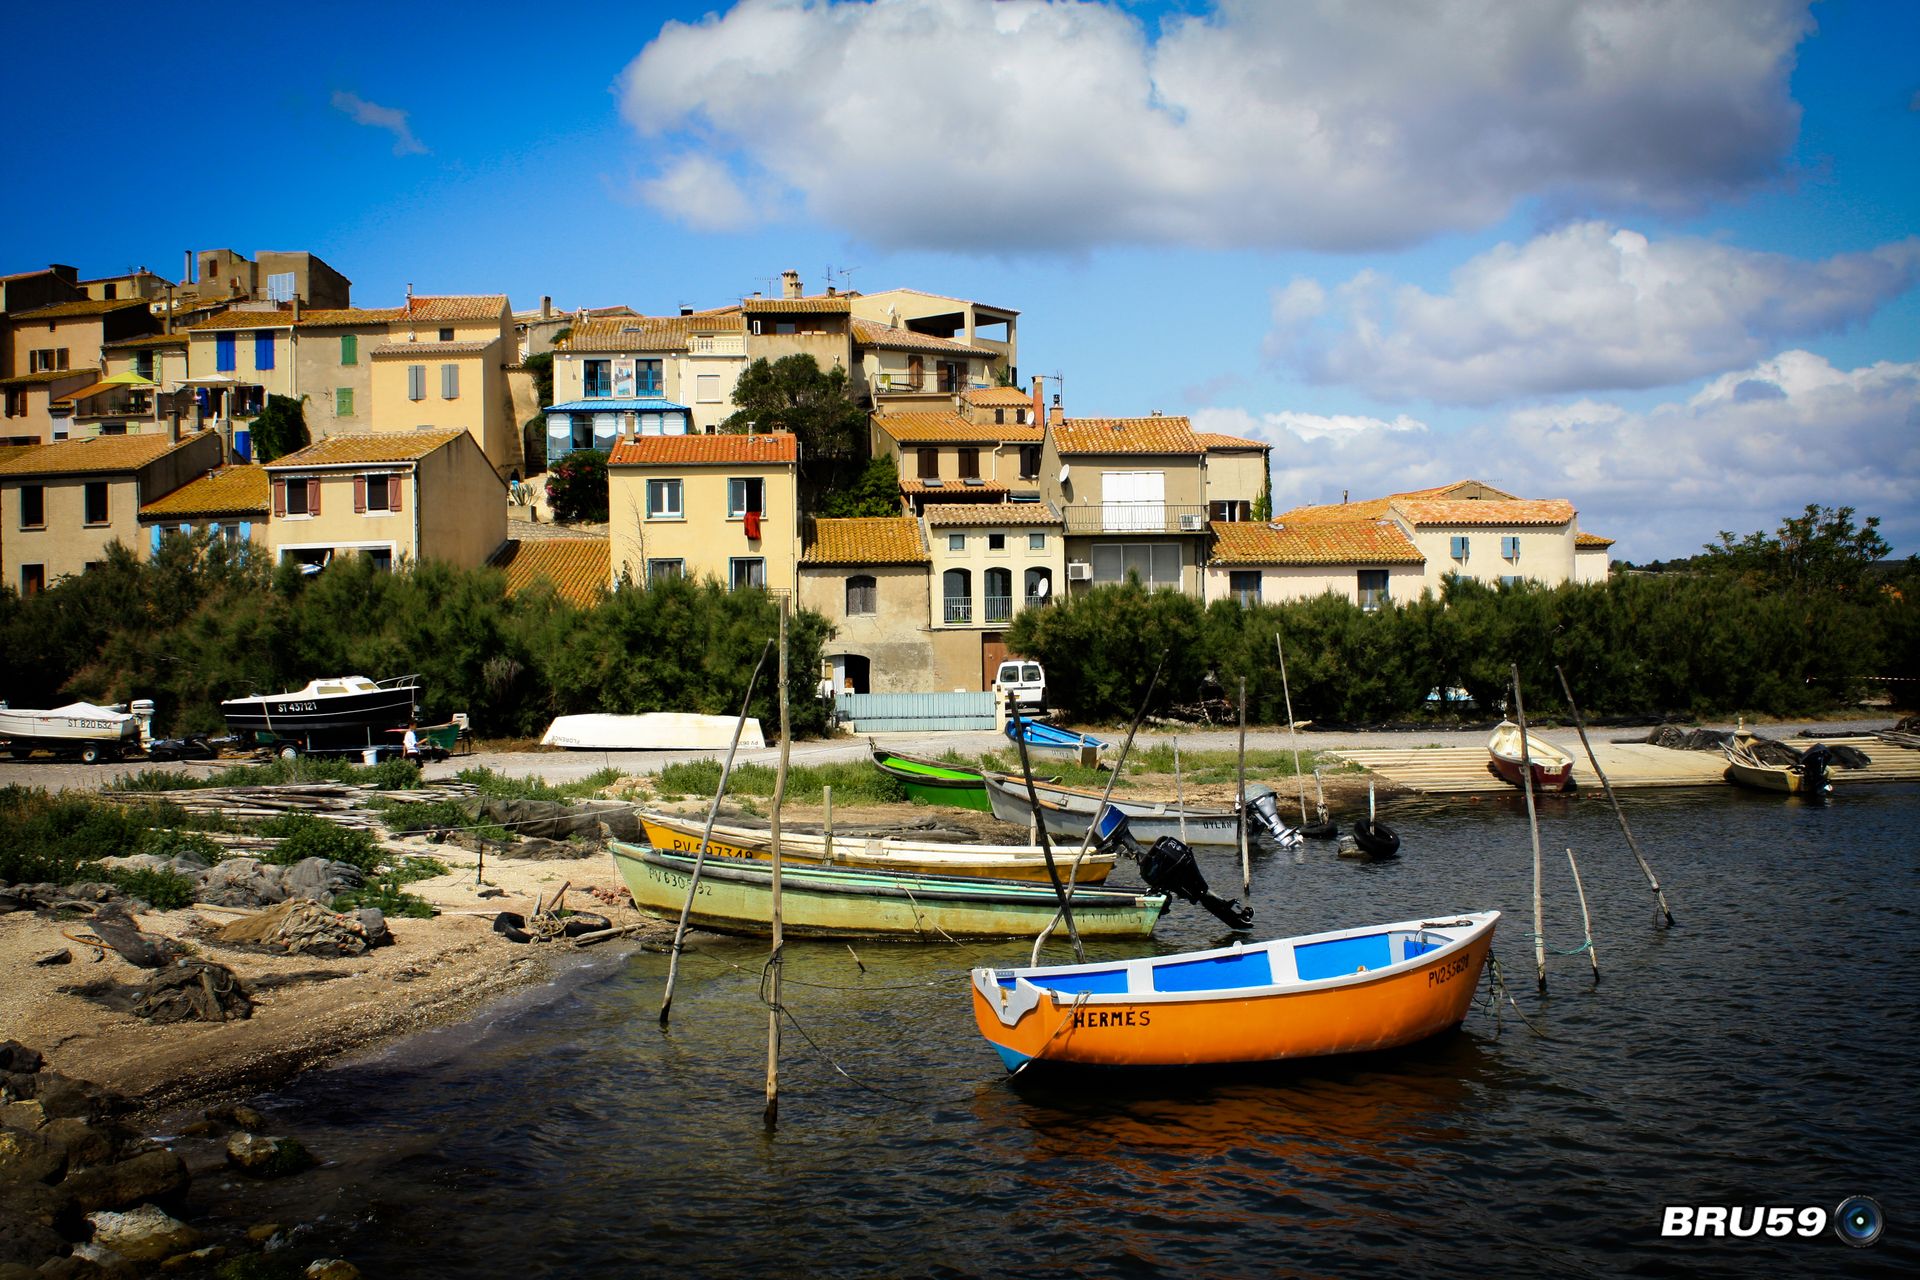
<point x="654" y="731"/>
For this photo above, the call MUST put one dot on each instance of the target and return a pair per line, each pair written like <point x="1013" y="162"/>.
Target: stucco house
<point x="868" y="576"/>
<point x="989" y="561"/>
<point x="719" y="506"/>
<point x="228" y="502"/>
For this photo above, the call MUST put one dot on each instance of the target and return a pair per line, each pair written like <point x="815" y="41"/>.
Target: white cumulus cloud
<point x="1586" y="307"/>
<point x="1029" y="124"/>
<point x="1749" y="449"/>
<point x="375" y="116"/>
<point x="699" y="191"/>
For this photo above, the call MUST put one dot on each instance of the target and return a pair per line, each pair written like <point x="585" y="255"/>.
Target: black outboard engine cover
<point x="1814" y="762"/>
<point x="1170" y="867"/>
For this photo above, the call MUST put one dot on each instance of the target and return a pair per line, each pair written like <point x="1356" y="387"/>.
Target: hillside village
<point x="131" y="402"/>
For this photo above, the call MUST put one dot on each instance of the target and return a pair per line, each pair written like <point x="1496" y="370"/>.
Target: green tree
<point x="1820" y="550"/>
<point x="875" y="492"/>
<point x="577" y="487"/>
<point x="794" y="394"/>
<point x="280" y="429"/>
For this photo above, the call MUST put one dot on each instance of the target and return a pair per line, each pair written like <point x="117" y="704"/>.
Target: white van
<point x="1025" y="680"/>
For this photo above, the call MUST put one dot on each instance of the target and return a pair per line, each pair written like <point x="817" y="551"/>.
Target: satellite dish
<point x="1041" y="588"/>
<point x="1063" y="473"/>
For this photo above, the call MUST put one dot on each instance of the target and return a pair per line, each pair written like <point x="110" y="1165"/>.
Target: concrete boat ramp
<point x="1437" y="770"/>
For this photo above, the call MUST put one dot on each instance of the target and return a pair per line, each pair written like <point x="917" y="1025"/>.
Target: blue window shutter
<point x="246" y="530"/>
<point x="156" y="539"/>
<point x="223" y="353"/>
<point x="263" y="349"/>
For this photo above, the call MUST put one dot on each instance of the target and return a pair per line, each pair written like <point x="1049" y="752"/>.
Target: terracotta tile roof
<point x="999" y="397"/>
<point x="952" y="488"/>
<point x="477" y="306"/>
<point x="864" y="540"/>
<point x="1215" y="440"/>
<point x="225" y="491"/>
<point x="430" y="350"/>
<point x="1420" y="511"/>
<point x="327" y="318"/>
<point x="914" y="427"/>
<point x="868" y="334"/>
<point x="700" y="451"/>
<point x="1318" y="542"/>
<point x="83" y="307"/>
<point x="648" y="333"/>
<point x="277" y="319"/>
<point x="578" y="569"/>
<point x="1584" y="539"/>
<point x="148" y="340"/>
<point x="991" y="513"/>
<point x="47" y="376"/>
<point x="763" y="306"/>
<point x="1160" y="434"/>
<point x="1374" y="508"/>
<point x="391" y="446"/>
<point x="93" y="455"/>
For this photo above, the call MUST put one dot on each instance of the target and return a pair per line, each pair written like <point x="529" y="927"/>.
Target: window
<point x="1229" y="510"/>
<point x="296" y="497"/>
<point x="597" y="378"/>
<point x="1039" y="586"/>
<point x="1458" y="546"/>
<point x="663" y="500"/>
<point x="343" y="402"/>
<point x="950" y="375"/>
<point x="999" y="585"/>
<point x="1245" y="585"/>
<point x="1510" y="548"/>
<point x="665" y="570"/>
<point x="957" y="595"/>
<point x="349" y="348"/>
<point x="1372" y="587"/>
<point x="224" y="358"/>
<point x="1029" y="458"/>
<point x="248" y="401"/>
<point x="96" y="502"/>
<point x="707" y="388"/>
<point x="380" y="557"/>
<point x="929" y="463"/>
<point x="376" y="494"/>
<point x="744" y="572"/>
<point x="746" y="495"/>
<point x="1036" y="542"/>
<point x="449" y="382"/>
<point x="416" y="382"/>
<point x="33" y="506"/>
<point x="33" y="579"/>
<point x="446" y="335"/>
<point x="956" y="542"/>
<point x="969" y="464"/>
<point x="996" y="542"/>
<point x="263" y="349"/>
<point x="999" y="417"/>
<point x="647" y="380"/>
<point x="1509" y="579"/>
<point x="143" y="364"/>
<point x="16" y="403"/>
<point x="862" y="594"/>
<point x="47" y="360"/>
<point x="1157" y="564"/>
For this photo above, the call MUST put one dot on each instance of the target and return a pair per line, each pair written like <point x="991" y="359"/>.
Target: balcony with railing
<point x="959" y="610"/>
<point x="999" y="608"/>
<point x="1136" y="517"/>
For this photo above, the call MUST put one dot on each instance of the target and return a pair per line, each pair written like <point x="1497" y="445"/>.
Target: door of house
<point x="993" y="651"/>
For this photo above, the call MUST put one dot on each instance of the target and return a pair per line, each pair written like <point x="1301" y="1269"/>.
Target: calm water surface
<point x="1764" y="1053"/>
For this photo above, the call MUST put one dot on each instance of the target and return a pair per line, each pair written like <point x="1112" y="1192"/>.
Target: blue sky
<point x="1657" y="259"/>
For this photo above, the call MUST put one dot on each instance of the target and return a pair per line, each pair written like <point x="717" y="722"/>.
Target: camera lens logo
<point x="1858" y="1221"/>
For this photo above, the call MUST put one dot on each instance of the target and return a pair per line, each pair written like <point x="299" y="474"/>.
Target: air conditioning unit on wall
<point x="1079" y="571"/>
<point x="1193" y="524"/>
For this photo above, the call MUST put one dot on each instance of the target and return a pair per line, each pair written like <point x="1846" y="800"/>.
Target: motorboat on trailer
<point x="83" y="729"/>
<point x="328" y="705"/>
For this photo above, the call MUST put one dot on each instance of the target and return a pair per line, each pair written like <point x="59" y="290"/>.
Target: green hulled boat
<point x="935" y="782"/>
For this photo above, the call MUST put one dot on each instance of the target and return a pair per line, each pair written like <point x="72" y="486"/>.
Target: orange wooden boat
<point x="1348" y="991"/>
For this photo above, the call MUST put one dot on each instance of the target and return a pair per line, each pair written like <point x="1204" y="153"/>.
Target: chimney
<point x="546" y="306"/>
<point x="188" y="278"/>
<point x="789" y="283"/>
<point x="686" y="310"/>
<point x="1039" y="403"/>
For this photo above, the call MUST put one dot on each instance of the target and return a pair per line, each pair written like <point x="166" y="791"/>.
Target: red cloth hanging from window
<point x="753" y="526"/>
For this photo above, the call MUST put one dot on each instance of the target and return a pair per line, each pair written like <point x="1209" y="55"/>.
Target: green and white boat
<point x="736" y="896"/>
<point x="934" y="781"/>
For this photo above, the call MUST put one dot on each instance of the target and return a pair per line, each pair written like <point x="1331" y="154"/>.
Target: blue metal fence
<point x="911" y="712"/>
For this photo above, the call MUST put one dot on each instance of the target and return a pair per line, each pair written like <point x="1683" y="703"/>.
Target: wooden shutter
<point x="279" y="497"/>
<point x="313" y="496"/>
<point x="393" y="493"/>
<point x="359" y="495"/>
<point x="449" y="382"/>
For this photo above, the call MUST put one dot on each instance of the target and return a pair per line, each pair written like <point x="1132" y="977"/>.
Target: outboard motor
<point x="1169" y="867"/>
<point x="1814" y="762"/>
<point x="1265" y="823"/>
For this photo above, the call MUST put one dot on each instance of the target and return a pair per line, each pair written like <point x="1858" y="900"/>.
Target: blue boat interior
<point x="1344" y="957"/>
<point x="1099" y="982"/>
<point x="1247" y="969"/>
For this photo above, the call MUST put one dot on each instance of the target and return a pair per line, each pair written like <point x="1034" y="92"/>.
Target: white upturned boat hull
<point x="654" y="731"/>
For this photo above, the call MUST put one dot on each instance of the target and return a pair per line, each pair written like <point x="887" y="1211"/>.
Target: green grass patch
<point x="171" y="842"/>
<point x="385" y="893"/>
<point x="388" y="775"/>
<point x="853" y="782"/>
<point x="302" y="835"/>
<point x="160" y="889"/>
<point x="501" y="786"/>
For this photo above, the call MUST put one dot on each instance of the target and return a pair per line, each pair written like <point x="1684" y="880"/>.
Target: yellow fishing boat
<point x="676" y="834"/>
<point x="1347" y="991"/>
<point x="736" y="896"/>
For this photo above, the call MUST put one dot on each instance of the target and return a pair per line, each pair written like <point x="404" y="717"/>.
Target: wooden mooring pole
<point x="1580" y="723"/>
<point x="1246" y="866"/>
<point x="1533" y="826"/>
<point x="1179" y="792"/>
<point x="772" y="1114"/>
<point x="700" y="854"/>
<point x="1586" y="920"/>
<point x="1293" y="734"/>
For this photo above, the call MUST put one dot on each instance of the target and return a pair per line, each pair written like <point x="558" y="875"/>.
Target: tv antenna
<point x="845" y="275"/>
